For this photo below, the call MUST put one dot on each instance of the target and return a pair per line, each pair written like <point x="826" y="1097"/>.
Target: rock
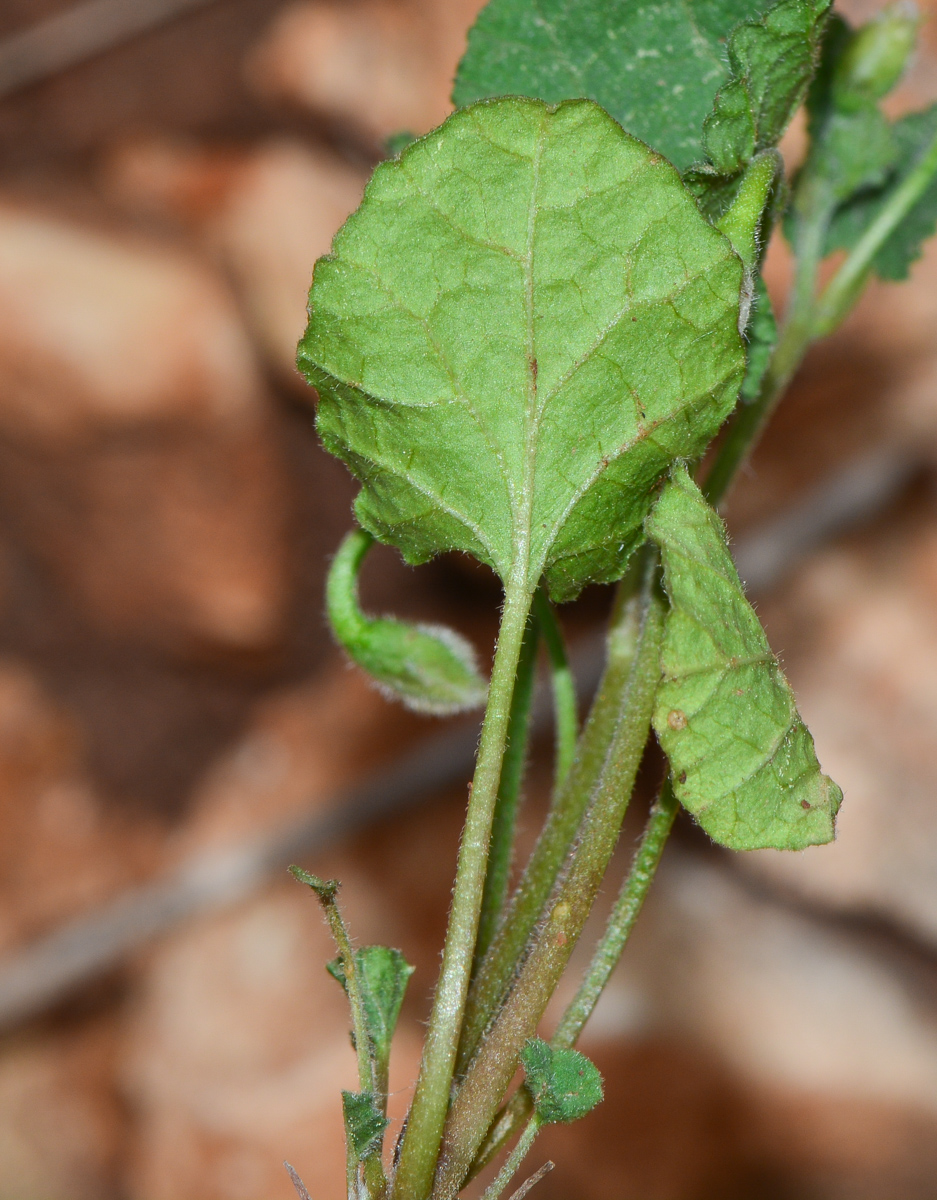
<point x="378" y="66"/>
<point x="790" y="1004"/>
<point x="61" y="852"/>
<point x="266" y="213"/>
<point x="138" y="460"/>
<point x="286" y="205"/>
<point x="62" y="1122"/>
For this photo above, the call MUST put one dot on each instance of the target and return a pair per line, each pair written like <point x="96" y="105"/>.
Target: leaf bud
<point x="875" y="57"/>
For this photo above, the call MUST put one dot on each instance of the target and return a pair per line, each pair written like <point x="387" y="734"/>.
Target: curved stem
<point x="500" y="963"/>
<point x="489" y="1076"/>
<point x="420" y="1148"/>
<point x="504" y="822"/>
<point x="565" y="705"/>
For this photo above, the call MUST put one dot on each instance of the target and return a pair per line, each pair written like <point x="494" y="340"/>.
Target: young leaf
<point x="383" y="975"/>
<point x="655" y="67"/>
<point x="429" y="667"/>
<point x="525" y="322"/>
<point x="564" y="1084"/>
<point x="364" y="1123"/>
<point x="772" y="61"/>
<point x="912" y="135"/>
<point x="741" y="759"/>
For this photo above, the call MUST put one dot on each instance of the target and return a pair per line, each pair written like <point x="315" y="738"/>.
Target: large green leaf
<point x="912" y="135"/>
<point x="772" y="63"/>
<point x="655" y="67"/>
<point x="523" y="325"/>
<point x="742" y="761"/>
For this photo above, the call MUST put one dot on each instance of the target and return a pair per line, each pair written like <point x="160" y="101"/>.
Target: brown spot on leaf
<point x="681" y="778"/>
<point x="805" y="804"/>
<point x="676" y="719"/>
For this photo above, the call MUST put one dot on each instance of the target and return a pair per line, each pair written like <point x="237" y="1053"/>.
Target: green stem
<point x="500" y="963"/>
<point x="493" y="1067"/>
<point x="504" y="823"/>
<point x="843" y="289"/>
<point x="421" y="1142"/>
<point x="565" y="704"/>
<point x="621" y="921"/>
<point x="630" y="900"/>
<point x="514" y="1160"/>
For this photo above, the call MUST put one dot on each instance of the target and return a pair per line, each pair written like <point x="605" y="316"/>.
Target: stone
<point x="138" y="458"/>
<point x="379" y="67"/>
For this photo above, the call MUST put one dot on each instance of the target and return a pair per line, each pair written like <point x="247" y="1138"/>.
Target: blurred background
<point x="175" y="724"/>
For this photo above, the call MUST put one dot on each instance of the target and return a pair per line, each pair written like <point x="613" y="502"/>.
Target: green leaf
<point x="762" y="336"/>
<point x="564" y="1084"/>
<point x="772" y="61"/>
<point x="523" y="325"/>
<point x="383" y="975"/>
<point x="364" y="1123"/>
<point x="912" y="135"/>
<point x="655" y="67"/>
<point x="430" y="668"/>
<point x="742" y="761"/>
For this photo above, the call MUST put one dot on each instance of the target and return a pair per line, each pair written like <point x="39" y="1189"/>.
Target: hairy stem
<point x="420" y="1148"/>
<point x="491" y="1071"/>
<point x="513" y="1161"/>
<point x="843" y="289"/>
<point x="504" y="823"/>
<point x="621" y="921"/>
<point x="570" y="802"/>
<point x="564" y="688"/>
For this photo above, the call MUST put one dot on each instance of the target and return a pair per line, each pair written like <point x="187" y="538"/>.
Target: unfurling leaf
<point x="655" y="67"/>
<point x="875" y="58"/>
<point x="364" y="1123"/>
<point x="429" y="667"/>
<point x="524" y="324"/>
<point x="741" y="759"/>
<point x="772" y="61"/>
<point x="383" y="975"/>
<point x="564" y="1084"/>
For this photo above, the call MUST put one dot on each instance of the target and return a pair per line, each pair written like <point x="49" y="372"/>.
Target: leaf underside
<point x="742" y="761"/>
<point x="654" y="67"/>
<point x="383" y="975"/>
<point x="523" y="325"/>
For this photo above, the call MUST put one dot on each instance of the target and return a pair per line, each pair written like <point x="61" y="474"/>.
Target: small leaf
<point x="741" y="759"/>
<point x="875" y="58"/>
<point x="655" y="67"/>
<point x="912" y="135"/>
<point x="383" y="975"/>
<point x="364" y="1123"/>
<point x="523" y="325"/>
<point x="428" y="667"/>
<point x="772" y="61"/>
<point x="564" y="1084"/>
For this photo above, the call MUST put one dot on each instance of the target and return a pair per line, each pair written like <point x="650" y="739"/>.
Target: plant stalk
<point x="504" y="823"/>
<point x="565" y="705"/>
<point x="570" y="802"/>
<point x="513" y="1161"/>
<point x="421" y="1142"/>
<point x="490" y="1073"/>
